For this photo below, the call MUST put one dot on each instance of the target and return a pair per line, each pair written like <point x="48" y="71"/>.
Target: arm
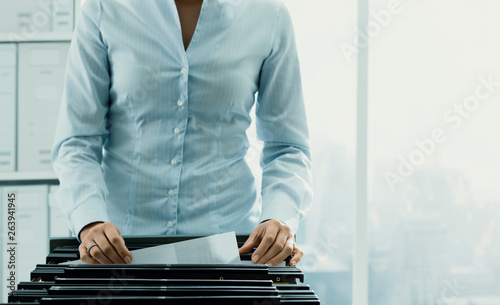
<point x="81" y="132"/>
<point x="282" y="126"/>
<point x="286" y="159"/>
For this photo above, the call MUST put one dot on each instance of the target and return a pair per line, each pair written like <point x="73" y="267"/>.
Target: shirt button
<point x="171" y="192"/>
<point x="170" y="224"/>
<point x="174" y="162"/>
<point x="183" y="70"/>
<point x="177" y="130"/>
<point x="180" y="102"/>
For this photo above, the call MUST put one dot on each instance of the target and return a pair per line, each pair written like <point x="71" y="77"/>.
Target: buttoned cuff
<point x="282" y="215"/>
<point x="85" y="214"/>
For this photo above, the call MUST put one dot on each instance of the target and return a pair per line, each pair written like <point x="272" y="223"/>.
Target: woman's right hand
<point x="110" y="247"/>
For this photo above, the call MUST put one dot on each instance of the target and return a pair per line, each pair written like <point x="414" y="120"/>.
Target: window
<point x="433" y="154"/>
<point x="433" y="167"/>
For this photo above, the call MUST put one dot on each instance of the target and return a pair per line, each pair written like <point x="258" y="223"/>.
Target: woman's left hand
<point x="274" y="242"/>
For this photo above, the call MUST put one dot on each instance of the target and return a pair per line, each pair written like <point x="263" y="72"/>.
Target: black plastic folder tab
<point x="221" y="284"/>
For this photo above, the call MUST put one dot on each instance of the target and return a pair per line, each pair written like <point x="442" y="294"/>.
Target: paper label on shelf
<point x="45" y="58"/>
<point x="62" y="16"/>
<point x="7" y="58"/>
<point x="46" y="92"/>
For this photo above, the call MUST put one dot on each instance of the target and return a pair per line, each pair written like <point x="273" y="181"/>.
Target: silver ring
<point x="90" y="247"/>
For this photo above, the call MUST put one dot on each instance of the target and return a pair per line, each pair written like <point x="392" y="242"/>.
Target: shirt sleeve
<point x="81" y="127"/>
<point x="282" y="126"/>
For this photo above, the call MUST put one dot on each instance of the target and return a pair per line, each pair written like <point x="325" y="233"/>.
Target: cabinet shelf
<point x="24" y="178"/>
<point x="40" y="37"/>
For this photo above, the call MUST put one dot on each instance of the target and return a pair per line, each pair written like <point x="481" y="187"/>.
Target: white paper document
<point x="215" y="249"/>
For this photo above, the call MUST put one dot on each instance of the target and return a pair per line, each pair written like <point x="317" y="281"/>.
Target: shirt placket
<point x="178" y="130"/>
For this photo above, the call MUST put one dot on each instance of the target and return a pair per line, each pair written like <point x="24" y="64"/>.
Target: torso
<point x="189" y="12"/>
<point x="149" y="97"/>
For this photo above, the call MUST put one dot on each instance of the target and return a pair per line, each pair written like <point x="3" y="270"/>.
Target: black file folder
<point x="186" y="284"/>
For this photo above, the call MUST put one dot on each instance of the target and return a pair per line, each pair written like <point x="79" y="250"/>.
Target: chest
<point x="152" y="72"/>
<point x="189" y="13"/>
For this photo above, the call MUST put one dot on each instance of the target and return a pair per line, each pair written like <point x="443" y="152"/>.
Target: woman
<point x="151" y="133"/>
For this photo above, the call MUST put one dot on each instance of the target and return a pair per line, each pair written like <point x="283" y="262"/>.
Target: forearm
<point x="82" y="192"/>
<point x="286" y="184"/>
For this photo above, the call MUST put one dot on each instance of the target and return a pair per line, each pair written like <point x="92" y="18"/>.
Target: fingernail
<point x="269" y="264"/>
<point x="255" y="258"/>
<point x="293" y="263"/>
<point x="128" y="260"/>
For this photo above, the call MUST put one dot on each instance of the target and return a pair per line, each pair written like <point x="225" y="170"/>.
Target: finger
<point x="266" y="242"/>
<point x="97" y="254"/>
<point x="107" y="250"/>
<point x="297" y="256"/>
<point x="249" y="243"/>
<point x="279" y="243"/>
<point x="281" y="256"/>
<point x="85" y="257"/>
<point x="116" y="240"/>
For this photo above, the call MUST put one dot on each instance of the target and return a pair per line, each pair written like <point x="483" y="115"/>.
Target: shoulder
<point x="110" y="6"/>
<point x="91" y="7"/>
<point x="272" y="10"/>
<point x="266" y="7"/>
<point x="265" y="4"/>
<point x="269" y="12"/>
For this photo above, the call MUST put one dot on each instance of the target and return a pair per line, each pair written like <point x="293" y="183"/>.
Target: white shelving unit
<point x="36" y="177"/>
<point x="34" y="189"/>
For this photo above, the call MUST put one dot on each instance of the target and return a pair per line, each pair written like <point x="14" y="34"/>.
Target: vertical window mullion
<point x="360" y="257"/>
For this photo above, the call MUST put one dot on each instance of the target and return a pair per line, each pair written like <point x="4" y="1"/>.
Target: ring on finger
<point x="90" y="247"/>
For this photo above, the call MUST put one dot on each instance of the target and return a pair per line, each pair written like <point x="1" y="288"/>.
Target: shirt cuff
<point x="287" y="218"/>
<point x="86" y="214"/>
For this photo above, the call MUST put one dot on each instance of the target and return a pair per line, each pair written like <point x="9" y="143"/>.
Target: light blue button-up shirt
<point x="153" y="138"/>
